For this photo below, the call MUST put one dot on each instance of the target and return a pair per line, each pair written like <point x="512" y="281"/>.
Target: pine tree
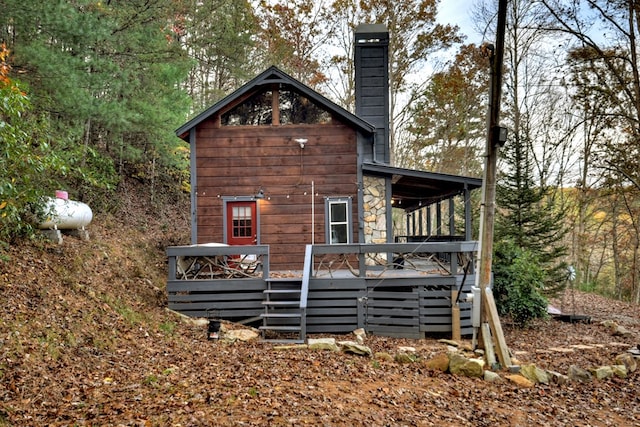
<point x="528" y="216"/>
<point x="107" y="76"/>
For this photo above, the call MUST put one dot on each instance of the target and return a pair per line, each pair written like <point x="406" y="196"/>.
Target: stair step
<point x="282" y="303"/>
<point x="281" y="328"/>
<point x="281" y="291"/>
<point x="280" y="315"/>
<point x="283" y="280"/>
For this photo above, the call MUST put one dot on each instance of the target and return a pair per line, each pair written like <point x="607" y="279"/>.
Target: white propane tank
<point x="64" y="214"/>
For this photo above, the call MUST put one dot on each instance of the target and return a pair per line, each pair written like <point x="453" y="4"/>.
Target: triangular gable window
<point x="254" y="111"/>
<point x="291" y="109"/>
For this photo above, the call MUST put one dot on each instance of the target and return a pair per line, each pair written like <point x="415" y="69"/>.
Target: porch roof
<point x="413" y="189"/>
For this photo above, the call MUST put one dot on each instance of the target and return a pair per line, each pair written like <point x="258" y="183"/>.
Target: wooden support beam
<point x="489" y="353"/>
<point x="456" y="334"/>
<point x="491" y="313"/>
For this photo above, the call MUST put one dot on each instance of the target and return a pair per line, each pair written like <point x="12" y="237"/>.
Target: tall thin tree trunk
<point x="87" y="138"/>
<point x="616" y="252"/>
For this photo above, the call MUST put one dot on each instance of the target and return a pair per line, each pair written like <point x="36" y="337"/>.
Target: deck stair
<point x="283" y="319"/>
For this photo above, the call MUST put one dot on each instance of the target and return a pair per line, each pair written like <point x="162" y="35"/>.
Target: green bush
<point x="27" y="163"/>
<point x="517" y="284"/>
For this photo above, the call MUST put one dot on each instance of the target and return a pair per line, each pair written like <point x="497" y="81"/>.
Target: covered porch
<point x="427" y="206"/>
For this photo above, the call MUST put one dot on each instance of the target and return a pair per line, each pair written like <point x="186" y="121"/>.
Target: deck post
<point x="172" y="261"/>
<point x="455" y="316"/>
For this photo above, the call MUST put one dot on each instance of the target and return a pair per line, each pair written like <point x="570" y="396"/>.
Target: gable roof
<point x="270" y="76"/>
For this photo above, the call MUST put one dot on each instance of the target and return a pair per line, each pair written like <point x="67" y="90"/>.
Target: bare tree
<point x="538" y="150"/>
<point x="449" y="125"/>
<point x="414" y="37"/>
<point x="604" y="58"/>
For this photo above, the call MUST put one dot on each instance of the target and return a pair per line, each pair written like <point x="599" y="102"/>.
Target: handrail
<point x="204" y="250"/>
<point x="363" y="248"/>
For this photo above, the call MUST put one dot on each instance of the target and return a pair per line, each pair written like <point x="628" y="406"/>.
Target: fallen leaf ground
<point x="85" y="339"/>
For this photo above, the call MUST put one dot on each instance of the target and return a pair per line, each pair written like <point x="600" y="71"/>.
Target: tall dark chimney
<point x="372" y="83"/>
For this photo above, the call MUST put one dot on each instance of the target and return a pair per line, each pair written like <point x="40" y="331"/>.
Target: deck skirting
<point x="393" y="302"/>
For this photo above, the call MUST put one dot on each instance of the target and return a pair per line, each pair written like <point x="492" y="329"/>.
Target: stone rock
<point x="291" y="347"/>
<point x="452" y="343"/>
<point x="615" y="329"/>
<point x="492" y="377"/>
<point x="575" y="373"/>
<point x="438" y="363"/>
<point x="241" y="335"/>
<point x="515" y="361"/>
<point x="620" y="371"/>
<point x="197" y="321"/>
<point x="558" y="378"/>
<point x="355" y="348"/>
<point x="628" y="361"/>
<point x="621" y="331"/>
<point x="534" y="374"/>
<point x="460" y="365"/>
<point x="520" y="381"/>
<point x="383" y="356"/>
<point x="360" y="334"/>
<point x="602" y="372"/>
<point x="609" y="324"/>
<point x="406" y="357"/>
<point x="323" y="344"/>
<point x="469" y="348"/>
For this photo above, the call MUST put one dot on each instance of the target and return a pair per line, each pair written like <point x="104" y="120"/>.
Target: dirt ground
<point x="85" y="339"/>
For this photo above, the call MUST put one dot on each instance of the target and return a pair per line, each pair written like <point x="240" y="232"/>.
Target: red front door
<point x="242" y="227"/>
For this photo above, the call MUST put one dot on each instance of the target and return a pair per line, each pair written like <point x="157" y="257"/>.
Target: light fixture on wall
<point x="260" y="194"/>
<point x="301" y="141"/>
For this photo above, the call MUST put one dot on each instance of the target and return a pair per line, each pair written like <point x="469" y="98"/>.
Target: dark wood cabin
<point x="304" y="189"/>
<point x="271" y="162"/>
<point x="275" y="163"/>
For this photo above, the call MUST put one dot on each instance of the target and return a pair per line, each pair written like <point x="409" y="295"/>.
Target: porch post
<point x="452" y="217"/>
<point x="407" y="224"/>
<point x="467" y="213"/>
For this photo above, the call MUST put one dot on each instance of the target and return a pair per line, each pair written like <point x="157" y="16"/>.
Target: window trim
<point x="348" y="202"/>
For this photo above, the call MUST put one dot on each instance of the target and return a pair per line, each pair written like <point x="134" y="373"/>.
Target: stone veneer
<point x="375" y="210"/>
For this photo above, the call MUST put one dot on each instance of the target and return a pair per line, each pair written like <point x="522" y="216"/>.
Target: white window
<point x="338" y="220"/>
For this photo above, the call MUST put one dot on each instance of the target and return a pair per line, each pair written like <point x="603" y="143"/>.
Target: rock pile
<point x="462" y="360"/>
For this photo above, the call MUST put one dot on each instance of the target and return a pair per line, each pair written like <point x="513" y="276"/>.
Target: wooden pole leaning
<point x="489" y="312"/>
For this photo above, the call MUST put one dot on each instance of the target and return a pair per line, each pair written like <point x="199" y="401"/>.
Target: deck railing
<point x="398" y="289"/>
<point x="425" y="257"/>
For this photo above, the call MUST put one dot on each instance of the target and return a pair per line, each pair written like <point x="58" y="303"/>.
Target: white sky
<point x="457" y="12"/>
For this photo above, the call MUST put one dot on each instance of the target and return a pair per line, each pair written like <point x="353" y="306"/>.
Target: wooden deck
<point x="399" y="290"/>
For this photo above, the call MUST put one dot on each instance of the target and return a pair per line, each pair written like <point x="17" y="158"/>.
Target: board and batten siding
<point x="238" y="161"/>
